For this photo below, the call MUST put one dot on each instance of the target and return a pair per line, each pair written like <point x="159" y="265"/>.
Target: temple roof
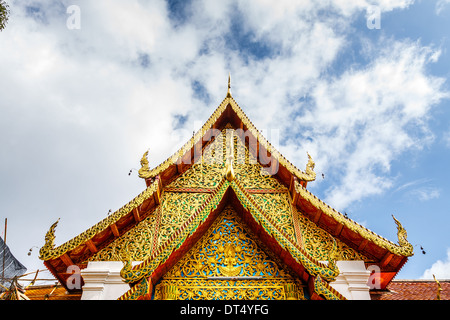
<point x="227" y="112"/>
<point x="388" y="256"/>
<point x="404" y="289"/>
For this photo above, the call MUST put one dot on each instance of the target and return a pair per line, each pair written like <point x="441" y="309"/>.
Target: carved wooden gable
<point x="189" y="191"/>
<point x="226" y="162"/>
<point x="229" y="262"/>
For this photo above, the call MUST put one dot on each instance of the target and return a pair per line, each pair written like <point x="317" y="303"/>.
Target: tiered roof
<point x="388" y="256"/>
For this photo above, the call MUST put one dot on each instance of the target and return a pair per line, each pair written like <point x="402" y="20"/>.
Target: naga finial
<point x="144" y="171"/>
<point x="49" y="241"/>
<point x="402" y="237"/>
<point x="310" y="167"/>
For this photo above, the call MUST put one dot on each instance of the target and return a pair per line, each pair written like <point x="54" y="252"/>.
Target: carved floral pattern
<point x="228" y="263"/>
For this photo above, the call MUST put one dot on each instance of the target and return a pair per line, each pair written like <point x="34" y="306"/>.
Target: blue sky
<point x="79" y="106"/>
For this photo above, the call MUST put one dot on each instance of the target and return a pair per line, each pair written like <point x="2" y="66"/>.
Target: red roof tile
<point x="413" y="290"/>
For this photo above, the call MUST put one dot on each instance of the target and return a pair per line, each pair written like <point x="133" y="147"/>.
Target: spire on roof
<point x="229" y="86"/>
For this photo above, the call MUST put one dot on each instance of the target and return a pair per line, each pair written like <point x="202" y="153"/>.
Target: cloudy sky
<point x="86" y="87"/>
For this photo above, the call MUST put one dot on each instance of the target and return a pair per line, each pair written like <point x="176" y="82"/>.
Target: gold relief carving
<point x="49" y="242"/>
<point x="203" y="289"/>
<point x="314" y="267"/>
<point x="291" y="290"/>
<point x="230" y="269"/>
<point x="229" y="171"/>
<point x="322" y="288"/>
<point x="249" y="172"/>
<point x="278" y="207"/>
<point x="199" y="176"/>
<point x="169" y="292"/>
<point x="198" y="136"/>
<point x="251" y="177"/>
<point x="402" y="237"/>
<point x="144" y="170"/>
<point x="162" y="252"/>
<point x="139" y="242"/>
<point x="310" y="167"/>
<point x="136" y="244"/>
<point x="228" y="244"/>
<point x="176" y="208"/>
<point x="319" y="243"/>
<point x="221" y="157"/>
<point x="140" y="291"/>
<point x="48" y="251"/>
<point x="228" y="263"/>
<point x="404" y="248"/>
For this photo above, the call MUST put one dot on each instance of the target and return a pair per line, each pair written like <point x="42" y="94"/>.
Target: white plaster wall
<point x="102" y="281"/>
<point x="352" y="280"/>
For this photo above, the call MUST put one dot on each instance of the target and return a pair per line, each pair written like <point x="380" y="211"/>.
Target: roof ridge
<point x="229" y="100"/>
<point x="323" y="288"/>
<point x="421" y="280"/>
<point x="48" y="251"/>
<point x="404" y="250"/>
<point x="132" y="274"/>
<point x="135" y="273"/>
<point x="313" y="266"/>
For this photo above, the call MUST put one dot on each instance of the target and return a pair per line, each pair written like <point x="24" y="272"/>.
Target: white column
<point x="102" y="281"/>
<point x="352" y="280"/>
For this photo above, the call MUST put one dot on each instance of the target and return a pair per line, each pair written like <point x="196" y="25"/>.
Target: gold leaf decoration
<point x="229" y="263"/>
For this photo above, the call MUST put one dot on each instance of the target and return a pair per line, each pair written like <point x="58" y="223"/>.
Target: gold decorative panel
<point x="278" y="206"/>
<point x="137" y="243"/>
<point x="176" y="208"/>
<point x="228" y="262"/>
<point x="200" y="289"/>
<point x="200" y="175"/>
<point x="210" y="168"/>
<point x="318" y="243"/>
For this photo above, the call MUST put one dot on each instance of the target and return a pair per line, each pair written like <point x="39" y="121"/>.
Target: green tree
<point x="4" y="14"/>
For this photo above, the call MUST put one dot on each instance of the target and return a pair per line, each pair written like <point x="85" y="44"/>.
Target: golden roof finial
<point x="438" y="294"/>
<point x="144" y="171"/>
<point x="229" y="86"/>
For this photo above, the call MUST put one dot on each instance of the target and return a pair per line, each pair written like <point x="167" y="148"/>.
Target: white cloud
<point x="412" y="184"/>
<point x="446" y="138"/>
<point x="440" y="5"/>
<point x="362" y="120"/>
<point x="441" y="269"/>
<point x="80" y="100"/>
<point x="425" y="194"/>
<point x="67" y="63"/>
<point x="419" y="190"/>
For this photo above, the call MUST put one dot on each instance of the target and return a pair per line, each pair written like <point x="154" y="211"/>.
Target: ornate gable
<point x="189" y="191"/>
<point x="229" y="262"/>
<point x="225" y="163"/>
